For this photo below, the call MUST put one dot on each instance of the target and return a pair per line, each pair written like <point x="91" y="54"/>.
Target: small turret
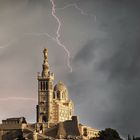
<point x="61" y="92"/>
<point x="45" y="91"/>
<point x="45" y="66"/>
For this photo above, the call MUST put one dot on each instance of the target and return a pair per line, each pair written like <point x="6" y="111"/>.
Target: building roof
<point x="64" y="129"/>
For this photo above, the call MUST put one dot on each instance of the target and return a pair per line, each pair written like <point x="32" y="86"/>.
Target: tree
<point x="109" y="134"/>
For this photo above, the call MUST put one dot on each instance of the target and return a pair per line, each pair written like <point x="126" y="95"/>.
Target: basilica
<point x="54" y="114"/>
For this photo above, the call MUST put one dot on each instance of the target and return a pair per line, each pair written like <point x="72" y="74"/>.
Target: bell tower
<point x="45" y="92"/>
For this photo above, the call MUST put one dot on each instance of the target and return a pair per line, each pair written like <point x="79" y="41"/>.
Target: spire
<point x="45" y="66"/>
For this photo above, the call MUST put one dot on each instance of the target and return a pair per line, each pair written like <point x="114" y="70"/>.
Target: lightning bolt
<point x="57" y="38"/>
<point x="2" y="47"/>
<point x="79" y="9"/>
<point x="17" y="98"/>
<point x="41" y="34"/>
<point x="8" y="45"/>
<point x="58" y="34"/>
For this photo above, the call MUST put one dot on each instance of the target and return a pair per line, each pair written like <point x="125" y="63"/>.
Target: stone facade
<point x="88" y="132"/>
<point x="54" y="114"/>
<point x="11" y="128"/>
<point x="54" y="106"/>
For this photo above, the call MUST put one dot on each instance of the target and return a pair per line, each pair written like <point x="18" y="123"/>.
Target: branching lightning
<point x="17" y="98"/>
<point x="7" y="45"/>
<point x="57" y="38"/>
<point x="58" y="34"/>
<point x="79" y="9"/>
<point x="41" y="34"/>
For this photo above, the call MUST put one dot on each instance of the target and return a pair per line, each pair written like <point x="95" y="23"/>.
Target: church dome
<point x="60" y="87"/>
<point x="61" y="90"/>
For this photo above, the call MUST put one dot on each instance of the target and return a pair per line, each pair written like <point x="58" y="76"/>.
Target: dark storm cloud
<point x="86" y="54"/>
<point x="124" y="64"/>
<point x="124" y="72"/>
<point x="123" y="68"/>
<point x="115" y="76"/>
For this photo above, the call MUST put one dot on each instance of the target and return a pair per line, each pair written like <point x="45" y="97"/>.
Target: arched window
<point x="41" y="85"/>
<point x="85" y="132"/>
<point x="44" y="119"/>
<point x="63" y="95"/>
<point x="58" y="95"/>
<point x="41" y="127"/>
<point x="46" y="86"/>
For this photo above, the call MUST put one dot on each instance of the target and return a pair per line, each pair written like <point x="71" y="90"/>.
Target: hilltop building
<point x="54" y="114"/>
<point x="133" y="138"/>
<point x="54" y="105"/>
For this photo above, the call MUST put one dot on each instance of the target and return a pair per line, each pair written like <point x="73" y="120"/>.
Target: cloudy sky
<point x="103" y="37"/>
